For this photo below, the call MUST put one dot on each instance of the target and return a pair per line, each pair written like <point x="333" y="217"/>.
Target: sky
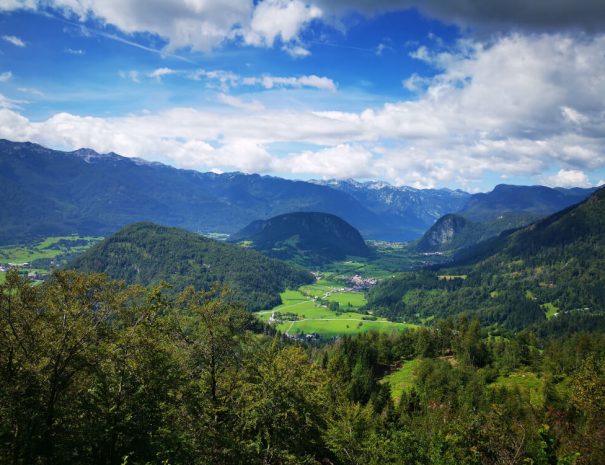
<point x="429" y="94"/>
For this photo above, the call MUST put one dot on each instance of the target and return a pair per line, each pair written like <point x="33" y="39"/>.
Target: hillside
<point x="48" y="192"/>
<point x="528" y="202"/>
<point x="309" y="238"/>
<point x="486" y="215"/>
<point x="444" y="234"/>
<point x="554" y="266"/>
<point x="146" y="253"/>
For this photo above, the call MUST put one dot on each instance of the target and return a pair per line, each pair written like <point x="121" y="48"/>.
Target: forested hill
<point x="305" y="237"/>
<point x="146" y="253"/>
<point x="551" y="269"/>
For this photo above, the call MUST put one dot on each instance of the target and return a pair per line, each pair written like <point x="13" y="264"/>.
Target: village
<point x="24" y="269"/>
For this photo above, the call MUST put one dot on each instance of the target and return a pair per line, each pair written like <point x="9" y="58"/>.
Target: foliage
<point x="94" y="372"/>
<point x="558" y="262"/>
<point x="146" y="254"/>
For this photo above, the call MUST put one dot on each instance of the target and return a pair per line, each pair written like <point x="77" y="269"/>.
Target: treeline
<point x="146" y="253"/>
<point x="503" y="290"/>
<point x="93" y="372"/>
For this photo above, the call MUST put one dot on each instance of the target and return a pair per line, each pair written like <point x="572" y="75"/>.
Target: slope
<point x="309" y="238"/>
<point x="48" y="192"/>
<point x="146" y="253"/>
<point x="553" y="265"/>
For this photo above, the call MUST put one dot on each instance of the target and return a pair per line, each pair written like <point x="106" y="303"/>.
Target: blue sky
<point x="415" y="94"/>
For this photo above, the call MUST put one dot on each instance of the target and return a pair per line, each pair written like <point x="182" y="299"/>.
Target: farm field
<point x="402" y="379"/>
<point x="44" y="255"/>
<point x="49" y="248"/>
<point x="313" y="317"/>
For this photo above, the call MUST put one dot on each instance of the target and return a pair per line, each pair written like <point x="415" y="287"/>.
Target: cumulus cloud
<point x="16" y="41"/>
<point x="568" y="178"/>
<point x="522" y="105"/>
<point x="279" y="18"/>
<point x="200" y="25"/>
<point x="6" y="76"/>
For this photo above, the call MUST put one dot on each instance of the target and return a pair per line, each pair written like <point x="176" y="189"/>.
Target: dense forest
<point x="307" y="238"/>
<point x="555" y="264"/>
<point x="145" y="253"/>
<point x="94" y="372"/>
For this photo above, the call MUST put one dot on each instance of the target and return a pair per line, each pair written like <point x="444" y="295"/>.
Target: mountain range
<point x="49" y="192"/>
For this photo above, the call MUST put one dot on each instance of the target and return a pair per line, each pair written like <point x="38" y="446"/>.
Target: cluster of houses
<point x="362" y="284"/>
<point x="23" y="270"/>
<point x="303" y="337"/>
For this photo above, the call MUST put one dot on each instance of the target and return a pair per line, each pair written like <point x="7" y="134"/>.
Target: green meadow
<point x="312" y="317"/>
<point x="49" y="248"/>
<point x="402" y="379"/>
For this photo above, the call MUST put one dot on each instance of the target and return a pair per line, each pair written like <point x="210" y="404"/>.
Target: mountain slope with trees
<point x="306" y="237"/>
<point x="554" y="266"/>
<point x="145" y="253"/>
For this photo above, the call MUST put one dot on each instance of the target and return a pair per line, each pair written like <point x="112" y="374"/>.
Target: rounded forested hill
<point x="304" y="237"/>
<point x="146" y="253"/>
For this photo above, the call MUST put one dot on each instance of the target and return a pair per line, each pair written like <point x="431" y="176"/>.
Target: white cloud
<point x="133" y="75"/>
<point x="16" y="41"/>
<point x="270" y="82"/>
<point x="9" y="103"/>
<point x="601" y="182"/>
<point x="6" y="76"/>
<point x="522" y="105"/>
<point x="279" y="18"/>
<point x="296" y="51"/>
<point x="340" y="161"/>
<point x="72" y="51"/>
<point x="197" y="24"/>
<point x="160" y="72"/>
<point x="568" y="178"/>
<point x="235" y="102"/>
<point x="30" y="90"/>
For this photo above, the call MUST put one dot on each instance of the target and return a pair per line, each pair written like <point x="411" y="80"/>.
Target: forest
<point x="97" y="372"/>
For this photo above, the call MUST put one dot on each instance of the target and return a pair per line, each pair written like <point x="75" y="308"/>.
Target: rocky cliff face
<point x="442" y="233"/>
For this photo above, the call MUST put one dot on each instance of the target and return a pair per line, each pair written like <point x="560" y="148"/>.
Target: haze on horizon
<point x="426" y="94"/>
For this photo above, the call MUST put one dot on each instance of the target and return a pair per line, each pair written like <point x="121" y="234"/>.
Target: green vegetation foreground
<point x="94" y="372"/>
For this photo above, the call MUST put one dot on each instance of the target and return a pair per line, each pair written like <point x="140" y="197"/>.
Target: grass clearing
<point x="527" y="382"/>
<point x="402" y="379"/>
<point x="550" y="310"/>
<point x="2" y="277"/>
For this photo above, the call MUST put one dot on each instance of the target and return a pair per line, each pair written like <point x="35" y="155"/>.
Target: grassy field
<point x="315" y="318"/>
<point x="38" y="256"/>
<point x="550" y="310"/>
<point x="402" y="379"/>
<point x="51" y="247"/>
<point x="528" y="383"/>
<point x="2" y="276"/>
<point x="348" y="299"/>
